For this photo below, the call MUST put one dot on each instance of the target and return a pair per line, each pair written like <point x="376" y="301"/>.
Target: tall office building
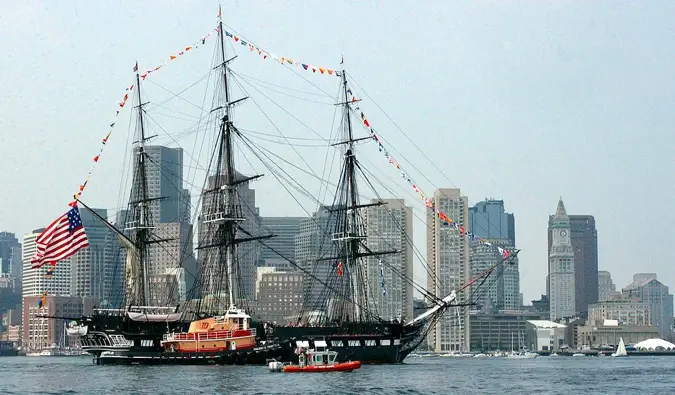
<point x="248" y="254"/>
<point x="10" y="255"/>
<point x="606" y="287"/>
<point x="170" y="218"/>
<point x="389" y="227"/>
<point x="313" y="242"/>
<point x="561" y="266"/>
<point x="164" y="172"/>
<point x="278" y="250"/>
<point x="173" y="266"/>
<point x="93" y="268"/>
<point x="488" y="220"/>
<point x="584" y="238"/>
<point x="34" y="281"/>
<point x="279" y="295"/>
<point x="448" y="259"/>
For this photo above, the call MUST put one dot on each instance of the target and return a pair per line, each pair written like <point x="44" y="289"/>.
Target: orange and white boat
<point x="315" y="361"/>
<point x="231" y="331"/>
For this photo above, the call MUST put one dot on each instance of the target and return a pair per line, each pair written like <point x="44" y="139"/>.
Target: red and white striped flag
<point x="63" y="238"/>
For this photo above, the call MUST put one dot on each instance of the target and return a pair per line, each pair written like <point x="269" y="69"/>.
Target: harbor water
<point x="428" y="375"/>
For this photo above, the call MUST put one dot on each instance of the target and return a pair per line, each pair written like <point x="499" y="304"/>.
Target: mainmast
<point x="224" y="217"/>
<point x="226" y="145"/>
<point x="353" y="239"/>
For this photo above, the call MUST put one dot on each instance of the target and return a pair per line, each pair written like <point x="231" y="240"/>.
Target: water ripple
<point x="643" y="375"/>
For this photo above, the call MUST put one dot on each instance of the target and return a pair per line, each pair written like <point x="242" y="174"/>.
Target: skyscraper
<point x="584" y="238"/>
<point x="34" y="281"/>
<point x="284" y="230"/>
<point x="313" y="242"/>
<point x="606" y="288"/>
<point x="561" y="266"/>
<point x="448" y="259"/>
<point x="213" y="266"/>
<point x="647" y="289"/>
<point x="164" y="172"/>
<point x="93" y="268"/>
<point x="169" y="207"/>
<point x="389" y="227"/>
<point x="489" y="220"/>
<point x="10" y="255"/>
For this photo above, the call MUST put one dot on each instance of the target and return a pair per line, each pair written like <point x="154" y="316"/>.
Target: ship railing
<point x="138" y="309"/>
<point x="254" y="331"/>
<point x="215" y="335"/>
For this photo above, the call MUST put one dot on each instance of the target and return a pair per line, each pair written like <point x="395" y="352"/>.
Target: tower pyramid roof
<point x="560" y="211"/>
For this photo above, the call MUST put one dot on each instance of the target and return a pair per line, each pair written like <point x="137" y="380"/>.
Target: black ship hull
<point x="7" y="349"/>
<point x="118" y="340"/>
<point x="369" y="343"/>
<point x="255" y="356"/>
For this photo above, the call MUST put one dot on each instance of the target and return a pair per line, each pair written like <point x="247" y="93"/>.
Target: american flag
<point x="63" y="238"/>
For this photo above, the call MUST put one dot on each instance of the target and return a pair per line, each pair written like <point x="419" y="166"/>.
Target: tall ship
<point x="217" y="323"/>
<point x="8" y="349"/>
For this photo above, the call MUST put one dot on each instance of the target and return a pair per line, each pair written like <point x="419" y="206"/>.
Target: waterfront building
<point x="626" y="312"/>
<point x="500" y="331"/>
<point x="647" y="289"/>
<point x="40" y="333"/>
<point x="595" y="336"/>
<point x="544" y="335"/>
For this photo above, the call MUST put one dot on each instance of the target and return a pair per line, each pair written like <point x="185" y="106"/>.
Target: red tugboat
<point x="315" y="361"/>
<point x="215" y="334"/>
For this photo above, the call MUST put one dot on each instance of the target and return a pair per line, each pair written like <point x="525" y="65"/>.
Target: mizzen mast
<point x="351" y="233"/>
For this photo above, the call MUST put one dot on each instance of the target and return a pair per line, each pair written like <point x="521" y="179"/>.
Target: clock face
<point x="563" y="233"/>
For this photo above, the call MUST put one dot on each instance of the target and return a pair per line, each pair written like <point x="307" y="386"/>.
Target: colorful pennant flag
<point x="427" y="202"/>
<point x="123" y="102"/>
<point x="281" y="59"/>
<point x="42" y="302"/>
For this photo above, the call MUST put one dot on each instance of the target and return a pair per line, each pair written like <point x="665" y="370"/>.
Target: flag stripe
<point x="61" y="239"/>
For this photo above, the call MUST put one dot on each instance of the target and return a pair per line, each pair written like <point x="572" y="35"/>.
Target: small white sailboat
<point x="620" y="350"/>
<point x="520" y="354"/>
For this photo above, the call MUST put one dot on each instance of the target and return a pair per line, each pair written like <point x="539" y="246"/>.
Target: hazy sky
<point x="522" y="101"/>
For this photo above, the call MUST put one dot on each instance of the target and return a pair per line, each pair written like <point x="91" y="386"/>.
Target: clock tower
<point x="561" y="266"/>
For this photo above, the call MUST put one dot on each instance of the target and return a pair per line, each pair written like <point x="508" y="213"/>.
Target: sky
<point x="521" y="101"/>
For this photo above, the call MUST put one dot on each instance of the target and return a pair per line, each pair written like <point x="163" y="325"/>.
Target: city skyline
<point x="563" y="132"/>
<point x="509" y="224"/>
